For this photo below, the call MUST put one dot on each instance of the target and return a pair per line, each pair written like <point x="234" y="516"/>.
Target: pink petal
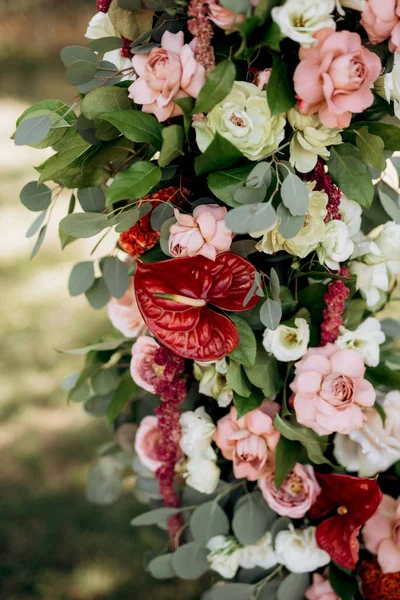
<point x="141" y="93"/>
<point x="356" y="101"/>
<point x="373" y="63"/>
<point x="389" y="556"/>
<point x="308" y="82"/>
<point x="206" y="222"/>
<point x="375" y="530"/>
<point x="364" y="392"/>
<point x="139" y="62"/>
<point x="173" y="42"/>
<point x="258" y="422"/>
<point x="348" y="362"/>
<point x="208" y="251"/>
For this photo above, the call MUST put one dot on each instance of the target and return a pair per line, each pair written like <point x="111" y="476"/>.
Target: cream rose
<point x="197" y="429"/>
<point x="300" y="19"/>
<point x="372" y="280"/>
<point x="202" y="474"/>
<point x="258" y="555"/>
<point x="212" y="378"/>
<point x="388" y="242"/>
<point x="288" y="343"/>
<point x="351" y="213"/>
<point x="366" y="340"/>
<point x="298" y="551"/>
<point x="224" y="555"/>
<point x="336" y="245"/>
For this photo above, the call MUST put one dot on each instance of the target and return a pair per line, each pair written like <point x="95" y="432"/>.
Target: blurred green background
<point x="54" y="545"/>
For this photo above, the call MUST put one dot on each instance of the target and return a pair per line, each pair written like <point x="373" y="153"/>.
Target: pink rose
<point x="295" y="496"/>
<point x="250" y="441"/>
<point x="125" y="315"/>
<point x="143" y="369"/>
<point x="320" y="589"/>
<point x="203" y="233"/>
<point x="381" y="20"/>
<point x="382" y="534"/>
<point x="148" y="438"/>
<point x="330" y="390"/>
<point x="223" y="17"/>
<point x="333" y="78"/>
<point x="262" y="78"/>
<point x="166" y="74"/>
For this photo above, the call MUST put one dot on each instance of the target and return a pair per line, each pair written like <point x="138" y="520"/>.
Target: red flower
<point x="377" y="585"/>
<point x="173" y="297"/>
<point x="353" y="500"/>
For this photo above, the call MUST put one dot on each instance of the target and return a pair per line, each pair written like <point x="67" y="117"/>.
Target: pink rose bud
<point x="381" y="20"/>
<point x="125" y="315"/>
<point x="320" y="589"/>
<point x="148" y="438"/>
<point x="143" y="368"/>
<point x="223" y="17"/>
<point x="262" y="78"/>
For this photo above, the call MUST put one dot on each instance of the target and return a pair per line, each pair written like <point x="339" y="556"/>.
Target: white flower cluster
<point x="100" y="26"/>
<point x="300" y="19"/>
<point x="211" y="376"/>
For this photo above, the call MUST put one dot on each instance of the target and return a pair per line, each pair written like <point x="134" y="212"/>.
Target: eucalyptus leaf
<point x="84" y="225"/>
<point x="97" y="406"/>
<point x="271" y="314"/>
<point x="161" y="567"/>
<point x="252" y="519"/>
<point x="218" y="84"/>
<point x="35" y="226"/>
<point x="35" y="197"/>
<point x="190" y="561"/>
<point x="232" y="591"/>
<point x="106" y="44"/>
<point x="105" y="381"/>
<point x="260" y="174"/>
<point x="32" y="130"/>
<point x="100" y="347"/>
<point x="153" y="517"/>
<point x="289" y="226"/>
<point x="39" y="242"/>
<point x="126" y="220"/>
<point x="160" y="214"/>
<point x="81" y="278"/>
<point x="115" y="273"/>
<point x="72" y="54"/>
<point x="92" y="199"/>
<point x="250" y="217"/>
<point x="224" y="184"/>
<point x="274" y="285"/>
<point x="80" y="72"/>
<point x="135" y="182"/>
<point x="295" y="195"/>
<point x="207" y="521"/>
<point x="104" y="485"/>
<point x="250" y="195"/>
<point x="98" y="295"/>
<point x="294" y="586"/>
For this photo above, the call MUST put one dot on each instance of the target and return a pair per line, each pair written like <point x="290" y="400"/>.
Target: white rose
<point x="336" y="246"/>
<point x="202" y="474"/>
<point x="288" y="343"/>
<point x="121" y="62"/>
<point x="388" y="242"/>
<point x="211" y="376"/>
<point x="298" y="551"/>
<point x="371" y="280"/>
<point x="300" y="19"/>
<point x="376" y="446"/>
<point x="259" y="555"/>
<point x="100" y="26"/>
<point x="224" y="556"/>
<point x="197" y="429"/>
<point x="351" y="213"/>
<point x="366" y="340"/>
<point x="388" y="86"/>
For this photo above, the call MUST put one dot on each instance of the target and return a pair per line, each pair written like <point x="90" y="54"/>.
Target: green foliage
<point x="228" y="591"/>
<point x="84" y="225"/>
<point x="81" y="278"/>
<point x="314" y="444"/>
<point x="137" y="126"/>
<point x="105" y="100"/>
<point x="207" y="521"/>
<point x="224" y="184"/>
<point x="35" y="197"/>
<point x="92" y="199"/>
<point x="135" y="182"/>
<point x="245" y="404"/>
<point x="252" y="518"/>
<point x="32" y="130"/>
<point x="342" y="582"/>
<point x="124" y="393"/>
<point x="245" y="352"/>
<point x="280" y="92"/>
<point x="219" y="155"/>
<point x="190" y="561"/>
<point x="250" y="217"/>
<point x="218" y="84"/>
<point x="98" y="295"/>
<point x="71" y="147"/>
<point x="106" y="44"/>
<point x="115" y="273"/>
<point x="104" y="482"/>
<point x="172" y="145"/>
<point x="264" y="373"/>
<point x="153" y="517"/>
<point x="351" y="174"/>
<point x="390" y="201"/>
<point x="161" y="567"/>
<point x="371" y="149"/>
<point x="295" y="195"/>
<point x="294" y="586"/>
<point x="288" y="453"/>
<point x="237" y="380"/>
<point x="271" y="314"/>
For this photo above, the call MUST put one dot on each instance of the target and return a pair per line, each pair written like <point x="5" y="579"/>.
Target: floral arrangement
<point x="241" y="154"/>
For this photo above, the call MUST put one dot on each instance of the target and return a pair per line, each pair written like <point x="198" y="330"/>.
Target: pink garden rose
<point x="295" y="496"/>
<point x="125" y="315"/>
<point x="166" y="74"/>
<point x="381" y="20"/>
<point x="382" y="534"/>
<point x="148" y="438"/>
<point x="320" y="589"/>
<point x="203" y="233"/>
<point x="249" y="442"/>
<point x="143" y="368"/>
<point x="333" y="78"/>
<point x="223" y="17"/>
<point x="330" y="390"/>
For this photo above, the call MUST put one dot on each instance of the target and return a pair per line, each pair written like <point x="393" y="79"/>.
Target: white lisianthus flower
<point x="371" y="281"/>
<point x="388" y="242"/>
<point x="300" y="19"/>
<point x="260" y="554"/>
<point x="100" y="26"/>
<point x="202" y="474"/>
<point x="351" y="213"/>
<point x="336" y="245"/>
<point x="288" y="343"/>
<point x="197" y="429"/>
<point x="224" y="556"/>
<point x="244" y="119"/>
<point x="211" y="376"/>
<point x="388" y="86"/>
<point x="298" y="551"/>
<point x="375" y="447"/>
<point x="366" y="340"/>
<point x="310" y="140"/>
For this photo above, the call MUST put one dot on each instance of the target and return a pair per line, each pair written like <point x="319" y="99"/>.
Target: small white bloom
<point x="121" y="62"/>
<point x="211" y="376"/>
<point x="351" y="213"/>
<point x="288" y="343"/>
<point x="100" y="26"/>
<point x="202" y="474"/>
<point x="388" y="86"/>
<point x="366" y="340"/>
<point x="376" y="446"/>
<point x="336" y="246"/>
<point x="260" y="554"/>
<point x="371" y="280"/>
<point x="224" y="556"/>
<point x="298" y="551"/>
<point x="197" y="429"/>
<point x="388" y="242"/>
<point x="300" y="19"/>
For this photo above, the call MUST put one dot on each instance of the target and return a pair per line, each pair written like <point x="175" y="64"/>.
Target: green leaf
<point x="84" y="225"/>
<point x="153" y="517"/>
<point x="252" y="518"/>
<point x="161" y="567"/>
<point x="207" y="521"/>
<point x="39" y="242"/>
<point x="391" y="327"/>
<point x="35" y="226"/>
<point x="295" y="195"/>
<point x="371" y="149"/>
<point x="281" y="524"/>
<point x="126" y="389"/>
<point x="224" y="184"/>
<point x="104" y="484"/>
<point x="219" y="155"/>
<point x="97" y="406"/>
<point x="390" y="134"/>
<point x="105" y="381"/>
<point x="190" y="561"/>
<point x="384" y="378"/>
<point x="130" y="24"/>
<point x="115" y="273"/>
<point x="35" y="197"/>
<point x="294" y="586"/>
<point x="274" y="285"/>
<point x="72" y="54"/>
<point x="236" y="6"/>
<point x="32" y="130"/>
<point x="164" y="235"/>
<point x="289" y="225"/>
<point x="288" y="453"/>
<point x="218" y="84"/>
<point x="135" y="182"/>
<point x="236" y="379"/>
<point x="259" y="175"/>
<point x="250" y="195"/>
<point x="280" y="92"/>
<point x="232" y="591"/>
<point x="137" y="126"/>
<point x="92" y="199"/>
<point x="271" y="314"/>
<point x="160" y="214"/>
<point x="264" y="374"/>
<point x="250" y="217"/>
<point x="314" y="444"/>
<point x="245" y="352"/>
<point x="344" y="584"/>
<point x="126" y="220"/>
<point x="244" y="404"/>
<point x="106" y="44"/>
<point x="273" y="37"/>
<point x="80" y="72"/>
<point x="74" y="147"/>
<point x="105" y="100"/>
<point x="172" y="146"/>
<point x="390" y="201"/>
<point x="351" y="174"/>
<point x="100" y="347"/>
<point x="98" y="295"/>
<point x="81" y="278"/>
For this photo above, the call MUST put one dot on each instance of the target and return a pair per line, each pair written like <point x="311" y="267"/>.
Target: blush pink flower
<point x="333" y="78"/>
<point x="144" y="370"/>
<point x="382" y="534"/>
<point x="166" y="74"/>
<point x="320" y="589"/>
<point x="330" y="390"/>
<point x="381" y="20"/>
<point x="147" y="441"/>
<point x="125" y="315"/>
<point x="203" y="233"/>
<point x="223" y="17"/>
<point x="249" y="442"/>
<point x="262" y="78"/>
<point x="295" y="496"/>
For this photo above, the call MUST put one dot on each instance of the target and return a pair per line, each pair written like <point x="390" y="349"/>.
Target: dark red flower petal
<point x="338" y="537"/>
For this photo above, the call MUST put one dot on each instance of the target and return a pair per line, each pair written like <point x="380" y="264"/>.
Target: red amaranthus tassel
<point x="103" y="5"/>
<point x="200" y="27"/>
<point x="126" y="50"/>
<point x="171" y="388"/>
<point x="377" y="585"/>
<point x="335" y="299"/>
<point x="323" y="183"/>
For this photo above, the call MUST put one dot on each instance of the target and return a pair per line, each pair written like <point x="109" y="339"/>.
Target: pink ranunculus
<point x="203" y="233"/>
<point x="143" y="368"/>
<point x="333" y="77"/>
<point x="250" y="442"/>
<point x="148" y="438"/>
<point x="320" y="589"/>
<point x="226" y="19"/>
<point x="295" y="496"/>
<point x="262" y="78"/>
<point x="330" y="390"/>
<point x="382" y="534"/>
<point x="166" y="74"/>
<point x="125" y="315"/>
<point x="381" y="20"/>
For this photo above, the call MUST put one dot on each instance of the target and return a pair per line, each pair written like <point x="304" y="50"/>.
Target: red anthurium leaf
<point x="338" y="537"/>
<point x="174" y="297"/>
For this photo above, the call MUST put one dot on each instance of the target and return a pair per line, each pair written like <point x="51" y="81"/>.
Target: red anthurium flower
<point x="174" y="297"/>
<point x="351" y="501"/>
